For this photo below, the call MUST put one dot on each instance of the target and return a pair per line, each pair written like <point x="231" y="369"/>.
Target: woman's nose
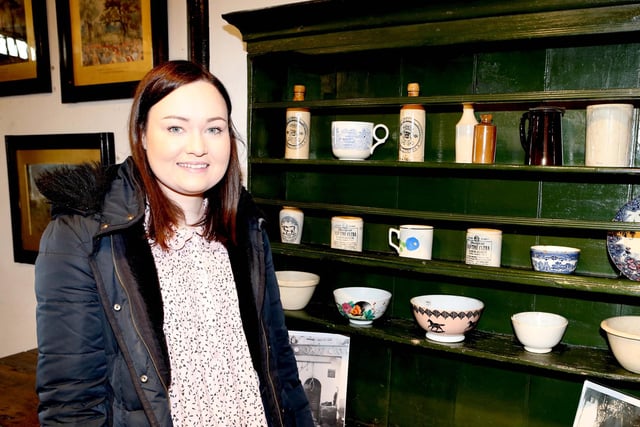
<point x="197" y="145"/>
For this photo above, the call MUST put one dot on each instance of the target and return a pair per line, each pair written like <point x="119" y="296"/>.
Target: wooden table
<point x="18" y="399"/>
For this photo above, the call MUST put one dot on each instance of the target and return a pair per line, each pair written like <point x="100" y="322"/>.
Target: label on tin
<point x="346" y="234"/>
<point x="484" y="249"/>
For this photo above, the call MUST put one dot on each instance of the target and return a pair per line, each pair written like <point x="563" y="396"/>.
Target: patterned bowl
<point x="361" y="305"/>
<point x="554" y="259"/>
<point x="446" y="318"/>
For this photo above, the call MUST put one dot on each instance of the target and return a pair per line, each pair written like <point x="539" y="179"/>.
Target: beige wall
<point x="45" y="114"/>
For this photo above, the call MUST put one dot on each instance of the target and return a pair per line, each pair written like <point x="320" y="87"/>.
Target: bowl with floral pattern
<point x="361" y="305"/>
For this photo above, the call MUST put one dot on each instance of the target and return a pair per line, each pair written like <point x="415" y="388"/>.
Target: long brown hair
<point x="220" y="219"/>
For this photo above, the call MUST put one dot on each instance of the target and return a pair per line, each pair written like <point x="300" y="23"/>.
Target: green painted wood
<point x="505" y="57"/>
<point x="466" y="219"/>
<point x="325" y="16"/>
<point x="521" y="26"/>
<point x="527" y="277"/>
<point x="581" y="361"/>
<point x="576" y="96"/>
<point x="546" y="173"/>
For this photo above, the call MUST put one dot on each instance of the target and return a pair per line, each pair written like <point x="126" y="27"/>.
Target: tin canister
<point x="346" y="233"/>
<point x="484" y="247"/>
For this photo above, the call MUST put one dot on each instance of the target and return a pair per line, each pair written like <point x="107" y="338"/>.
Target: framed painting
<point x="24" y="48"/>
<point x="107" y="46"/>
<point x="601" y="406"/>
<point x="29" y="155"/>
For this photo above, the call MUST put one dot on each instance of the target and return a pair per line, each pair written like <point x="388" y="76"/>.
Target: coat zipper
<point x="273" y="387"/>
<point x="135" y="326"/>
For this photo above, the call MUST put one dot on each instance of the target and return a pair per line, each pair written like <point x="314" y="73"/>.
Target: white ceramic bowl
<point x="623" y="333"/>
<point x="446" y="318"/>
<point x="554" y="259"/>
<point x="361" y="305"/>
<point x="539" y="331"/>
<point x="296" y="288"/>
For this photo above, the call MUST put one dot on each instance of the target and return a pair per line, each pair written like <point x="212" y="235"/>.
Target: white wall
<point x="45" y="114"/>
<point x="228" y="54"/>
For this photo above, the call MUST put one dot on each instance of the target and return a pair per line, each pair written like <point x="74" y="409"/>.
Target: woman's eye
<point x="214" y="130"/>
<point x="174" y="129"/>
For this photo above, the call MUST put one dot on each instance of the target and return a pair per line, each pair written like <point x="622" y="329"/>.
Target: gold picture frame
<point x="24" y="48"/>
<point x="27" y="155"/>
<point x="105" y="50"/>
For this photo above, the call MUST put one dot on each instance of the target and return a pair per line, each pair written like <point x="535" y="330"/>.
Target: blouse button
<point x="104" y="226"/>
<point x="130" y="217"/>
<point x="117" y="307"/>
<point x="144" y="378"/>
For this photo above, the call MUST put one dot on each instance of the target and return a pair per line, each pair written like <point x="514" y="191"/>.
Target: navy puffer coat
<point x="102" y="353"/>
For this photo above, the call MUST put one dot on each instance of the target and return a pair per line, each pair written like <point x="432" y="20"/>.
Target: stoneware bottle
<point x="484" y="140"/>
<point x="464" y="134"/>
<point x="298" y="129"/>
<point x="412" y="129"/>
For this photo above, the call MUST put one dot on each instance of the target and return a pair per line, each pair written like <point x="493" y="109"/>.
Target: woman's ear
<point x="144" y="140"/>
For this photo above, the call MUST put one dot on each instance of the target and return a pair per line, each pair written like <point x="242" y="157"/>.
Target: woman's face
<point x="188" y="141"/>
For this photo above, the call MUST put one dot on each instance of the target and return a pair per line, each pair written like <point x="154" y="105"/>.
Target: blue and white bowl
<point x="554" y="259"/>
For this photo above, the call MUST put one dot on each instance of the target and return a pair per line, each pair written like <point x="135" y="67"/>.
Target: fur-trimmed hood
<point x="81" y="189"/>
<point x="76" y="188"/>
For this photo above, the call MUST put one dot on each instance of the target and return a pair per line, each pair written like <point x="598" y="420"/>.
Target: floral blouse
<point x="213" y="382"/>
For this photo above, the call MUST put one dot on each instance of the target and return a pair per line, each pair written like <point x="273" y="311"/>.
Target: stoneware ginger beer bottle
<point x="484" y="140"/>
<point x="412" y="129"/>
<point x="464" y="134"/>
<point x="298" y="128"/>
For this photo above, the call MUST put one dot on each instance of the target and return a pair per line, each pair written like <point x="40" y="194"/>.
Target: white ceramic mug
<point x="291" y="222"/>
<point x="414" y="241"/>
<point x="354" y="140"/>
<point x="608" y="139"/>
<point x="346" y="233"/>
<point x="484" y="247"/>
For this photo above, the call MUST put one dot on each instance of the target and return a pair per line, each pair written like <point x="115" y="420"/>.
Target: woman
<point x="157" y="298"/>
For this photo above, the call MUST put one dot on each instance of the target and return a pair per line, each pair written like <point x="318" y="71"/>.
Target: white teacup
<point x="415" y="241"/>
<point x="354" y="140"/>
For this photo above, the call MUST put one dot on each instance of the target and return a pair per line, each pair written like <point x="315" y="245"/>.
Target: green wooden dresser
<point x="355" y="59"/>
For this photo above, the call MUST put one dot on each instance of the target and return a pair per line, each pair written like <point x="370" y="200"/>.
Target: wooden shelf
<point x="516" y="171"/>
<point x="546" y="97"/>
<point x="460" y="270"/>
<point x="490" y="220"/>
<point x="504" y="57"/>
<point x="568" y="359"/>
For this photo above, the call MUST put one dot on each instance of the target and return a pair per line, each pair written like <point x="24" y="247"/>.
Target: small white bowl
<point x="539" y="331"/>
<point x="296" y="288"/>
<point x="446" y="318"/>
<point x="361" y="305"/>
<point x="623" y="333"/>
<point x="554" y="259"/>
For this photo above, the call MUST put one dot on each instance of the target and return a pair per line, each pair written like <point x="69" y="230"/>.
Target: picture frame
<point x="322" y="359"/>
<point x="601" y="406"/>
<point x="105" y="52"/>
<point x="29" y="154"/>
<point x="24" y="48"/>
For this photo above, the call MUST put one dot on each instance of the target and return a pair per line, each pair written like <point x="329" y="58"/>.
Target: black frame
<point x="42" y="82"/>
<point x="76" y="93"/>
<point x="29" y="145"/>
